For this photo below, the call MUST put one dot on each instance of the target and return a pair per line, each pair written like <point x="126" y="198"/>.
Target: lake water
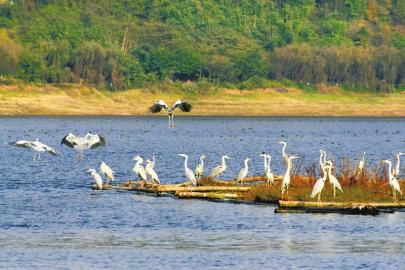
<point x="51" y="219"/>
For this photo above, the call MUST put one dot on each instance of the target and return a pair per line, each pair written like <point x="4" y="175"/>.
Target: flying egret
<point x="200" y="168"/>
<point x="96" y="177"/>
<point x="217" y="171"/>
<point x="90" y="141"/>
<point x="332" y="179"/>
<point x="319" y="184"/>
<point x="397" y="165"/>
<point x="108" y="173"/>
<point x="138" y="169"/>
<point x="284" y="154"/>
<point x="151" y="172"/>
<point x="393" y="181"/>
<point x="360" y="166"/>
<point x="160" y="104"/>
<point x="287" y="178"/>
<point x="187" y="171"/>
<point x="243" y="172"/>
<point x="36" y="146"/>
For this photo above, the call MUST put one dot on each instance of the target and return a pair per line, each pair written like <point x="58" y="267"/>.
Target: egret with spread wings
<point x="160" y="104"/>
<point x="90" y="141"/>
<point x="36" y="146"/>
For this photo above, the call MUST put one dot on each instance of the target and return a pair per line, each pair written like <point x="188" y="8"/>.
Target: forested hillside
<point x="125" y="44"/>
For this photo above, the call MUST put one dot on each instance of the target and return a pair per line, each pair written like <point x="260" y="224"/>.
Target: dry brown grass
<point x="75" y="100"/>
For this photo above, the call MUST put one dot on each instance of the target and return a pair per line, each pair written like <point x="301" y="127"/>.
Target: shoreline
<point x="48" y="100"/>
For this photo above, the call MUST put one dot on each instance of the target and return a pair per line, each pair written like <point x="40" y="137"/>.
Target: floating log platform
<point x="262" y="193"/>
<point x="354" y="208"/>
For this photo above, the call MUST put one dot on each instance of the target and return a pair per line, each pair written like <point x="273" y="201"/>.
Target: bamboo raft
<point x="229" y="192"/>
<point x="355" y="208"/>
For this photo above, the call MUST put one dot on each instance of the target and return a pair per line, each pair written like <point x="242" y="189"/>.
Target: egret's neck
<point x="283" y="149"/>
<point x="321" y="159"/>
<point x="185" y="162"/>
<point x="268" y="162"/>
<point x="265" y="161"/>
<point x="202" y="161"/>
<point x="389" y="170"/>
<point x="223" y="162"/>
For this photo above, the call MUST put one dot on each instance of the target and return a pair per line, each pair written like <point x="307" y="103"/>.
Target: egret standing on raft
<point x="138" y="169"/>
<point x="319" y="184"/>
<point x="287" y="178"/>
<point x="200" y="168"/>
<point x="97" y="178"/>
<point x="360" y="166"/>
<point x="243" y="172"/>
<point x="108" y="173"/>
<point x="267" y="169"/>
<point x="187" y="171"/>
<point x="160" y="104"/>
<point x="151" y="172"/>
<point x="332" y="179"/>
<point x="397" y="165"/>
<point x="283" y="153"/>
<point x="217" y="171"/>
<point x="90" y="141"/>
<point x="393" y="181"/>
<point x="36" y="146"/>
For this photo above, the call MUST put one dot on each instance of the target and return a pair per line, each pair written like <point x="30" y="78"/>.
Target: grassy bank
<point x="76" y="100"/>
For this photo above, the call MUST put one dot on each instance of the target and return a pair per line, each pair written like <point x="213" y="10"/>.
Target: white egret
<point x="200" y="168"/>
<point x="36" y="146"/>
<point x="360" y="165"/>
<point x="97" y="178"/>
<point x="138" y="169"/>
<point x="397" y="165"/>
<point x="187" y="171"/>
<point x="393" y="181"/>
<point x="269" y="173"/>
<point x="151" y="172"/>
<point x="319" y="184"/>
<point x="217" y="171"/>
<point x="284" y="154"/>
<point x="160" y="104"/>
<point x="332" y="179"/>
<point x="287" y="178"/>
<point x="108" y="173"/>
<point x="152" y="162"/>
<point x="243" y="172"/>
<point x="90" y="141"/>
<point x="267" y="169"/>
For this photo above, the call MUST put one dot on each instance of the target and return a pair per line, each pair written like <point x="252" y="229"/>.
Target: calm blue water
<point x="50" y="218"/>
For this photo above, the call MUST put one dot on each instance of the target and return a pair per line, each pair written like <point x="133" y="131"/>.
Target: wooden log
<point x="173" y="188"/>
<point x="207" y="195"/>
<point x="309" y="204"/>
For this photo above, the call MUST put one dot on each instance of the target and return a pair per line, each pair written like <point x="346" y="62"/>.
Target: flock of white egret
<point x="149" y="175"/>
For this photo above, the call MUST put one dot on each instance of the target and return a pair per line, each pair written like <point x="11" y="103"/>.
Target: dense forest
<point x="121" y="44"/>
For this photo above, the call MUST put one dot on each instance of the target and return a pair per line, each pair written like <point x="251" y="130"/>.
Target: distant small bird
<point x="360" y="166"/>
<point x="97" y="178"/>
<point x="160" y="104"/>
<point x="36" y="146"/>
<point x="285" y="184"/>
<point x="90" y="141"/>
<point x="319" y="184"/>
<point x="332" y="179"/>
<point x="138" y="169"/>
<point x="108" y="173"/>
<point x="187" y="171"/>
<point x="397" y="165"/>
<point x="217" y="171"/>
<point x="243" y="172"/>
<point x="200" y="168"/>
<point x="151" y="172"/>
<point x="393" y="181"/>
